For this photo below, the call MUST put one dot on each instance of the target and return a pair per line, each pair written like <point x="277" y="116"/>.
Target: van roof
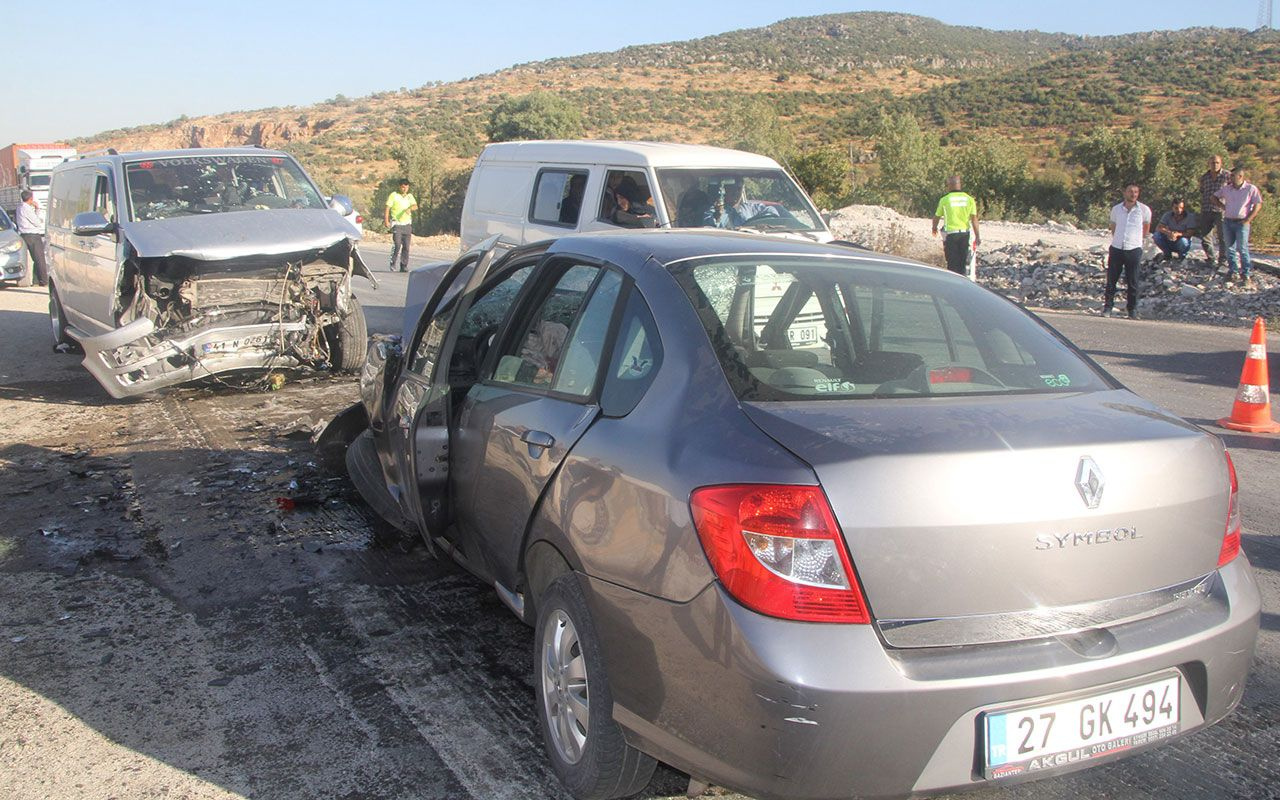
<point x="630" y="154"/>
<point x="192" y="152"/>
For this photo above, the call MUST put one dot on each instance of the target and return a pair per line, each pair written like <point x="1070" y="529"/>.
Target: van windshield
<point x="189" y="185"/>
<point x="765" y="200"/>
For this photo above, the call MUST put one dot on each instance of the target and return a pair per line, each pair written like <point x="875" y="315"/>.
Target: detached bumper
<point x="131" y="360"/>
<point x="798" y="711"/>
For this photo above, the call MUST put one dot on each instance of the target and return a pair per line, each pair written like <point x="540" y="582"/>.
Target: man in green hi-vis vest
<point x="957" y="211"/>
<point x="399" y="220"/>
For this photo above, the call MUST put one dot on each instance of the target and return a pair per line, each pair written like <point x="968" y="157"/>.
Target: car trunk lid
<point x="960" y="508"/>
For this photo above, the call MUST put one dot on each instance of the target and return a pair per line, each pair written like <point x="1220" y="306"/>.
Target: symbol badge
<point x="1090" y="482"/>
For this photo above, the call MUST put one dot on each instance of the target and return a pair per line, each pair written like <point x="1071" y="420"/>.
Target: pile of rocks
<point x="1049" y="277"/>
<point x="1056" y="265"/>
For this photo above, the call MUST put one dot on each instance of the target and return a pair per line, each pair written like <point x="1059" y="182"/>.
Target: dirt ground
<point x="193" y="607"/>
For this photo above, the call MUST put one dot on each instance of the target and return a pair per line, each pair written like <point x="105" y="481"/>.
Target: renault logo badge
<point x="1090" y="482"/>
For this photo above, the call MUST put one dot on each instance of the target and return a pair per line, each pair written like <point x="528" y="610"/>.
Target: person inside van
<point x="632" y="211"/>
<point x="735" y="210"/>
<point x="571" y="205"/>
<point x="692" y="211"/>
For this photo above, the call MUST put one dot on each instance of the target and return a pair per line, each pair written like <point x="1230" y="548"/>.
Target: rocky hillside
<point x="827" y="76"/>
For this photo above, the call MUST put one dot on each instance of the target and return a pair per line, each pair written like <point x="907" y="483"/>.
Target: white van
<point x="526" y="191"/>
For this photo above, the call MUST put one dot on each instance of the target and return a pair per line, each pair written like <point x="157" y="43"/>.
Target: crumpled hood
<point x="235" y="234"/>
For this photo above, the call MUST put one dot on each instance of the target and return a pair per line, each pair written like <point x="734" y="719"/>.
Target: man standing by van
<point x="957" y="211"/>
<point x="398" y="218"/>
<point x="30" y="222"/>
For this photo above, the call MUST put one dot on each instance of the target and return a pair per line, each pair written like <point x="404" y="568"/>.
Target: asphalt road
<point x="383" y="306"/>
<point x="193" y="607"/>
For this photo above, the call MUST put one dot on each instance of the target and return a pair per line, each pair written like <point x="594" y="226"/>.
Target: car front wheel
<point x="58" y="321"/>
<point x="349" y="339"/>
<point x="575" y="707"/>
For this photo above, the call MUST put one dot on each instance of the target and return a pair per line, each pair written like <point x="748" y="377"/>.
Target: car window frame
<point x="629" y="291"/>
<point x="497" y="273"/>
<point x="533" y="293"/>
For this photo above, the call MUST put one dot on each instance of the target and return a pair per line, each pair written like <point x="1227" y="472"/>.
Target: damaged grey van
<point x="168" y="267"/>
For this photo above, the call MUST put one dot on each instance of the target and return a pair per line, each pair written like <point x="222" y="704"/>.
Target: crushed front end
<point x="183" y="316"/>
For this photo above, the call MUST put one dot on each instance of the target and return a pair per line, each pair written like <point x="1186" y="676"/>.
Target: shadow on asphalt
<point x="1221" y="368"/>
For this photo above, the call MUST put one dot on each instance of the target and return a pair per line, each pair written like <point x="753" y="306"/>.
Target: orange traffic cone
<point x="1252" y="411"/>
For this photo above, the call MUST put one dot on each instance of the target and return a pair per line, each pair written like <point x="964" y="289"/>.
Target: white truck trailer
<point x="28" y="166"/>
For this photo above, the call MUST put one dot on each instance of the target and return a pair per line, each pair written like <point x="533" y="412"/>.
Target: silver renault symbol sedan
<point x="804" y="521"/>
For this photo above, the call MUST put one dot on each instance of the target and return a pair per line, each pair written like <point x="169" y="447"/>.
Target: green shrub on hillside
<point x="541" y="115"/>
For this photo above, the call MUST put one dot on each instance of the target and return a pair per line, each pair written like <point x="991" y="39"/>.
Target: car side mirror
<point x="91" y="223"/>
<point x="342" y="204"/>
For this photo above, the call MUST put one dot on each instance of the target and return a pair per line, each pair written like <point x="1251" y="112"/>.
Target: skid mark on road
<point x="458" y="665"/>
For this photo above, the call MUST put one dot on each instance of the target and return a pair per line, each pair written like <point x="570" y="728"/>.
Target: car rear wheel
<point x="575" y="706"/>
<point x="349" y="339"/>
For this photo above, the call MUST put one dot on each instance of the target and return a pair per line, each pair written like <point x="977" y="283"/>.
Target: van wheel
<point x="58" y="321"/>
<point x="349" y="339"/>
<point x="575" y="706"/>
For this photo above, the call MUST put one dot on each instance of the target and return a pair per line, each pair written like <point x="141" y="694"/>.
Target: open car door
<point x="415" y="433"/>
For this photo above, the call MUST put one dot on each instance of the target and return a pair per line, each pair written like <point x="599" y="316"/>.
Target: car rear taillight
<point x="359" y="219"/>
<point x="1231" y="538"/>
<point x="778" y="550"/>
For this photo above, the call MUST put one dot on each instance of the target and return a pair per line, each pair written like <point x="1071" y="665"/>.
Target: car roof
<point x="623" y="153"/>
<point x="668" y="247"/>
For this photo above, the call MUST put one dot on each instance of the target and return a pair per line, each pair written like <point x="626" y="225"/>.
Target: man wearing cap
<point x="30" y="223"/>
<point x="1210" y="214"/>
<point x="957" y="211"/>
<point x="398" y="218"/>
<point x="1240" y="202"/>
<point x="1130" y="224"/>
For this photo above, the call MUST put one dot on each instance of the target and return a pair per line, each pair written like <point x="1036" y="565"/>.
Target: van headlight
<point x="11" y="247"/>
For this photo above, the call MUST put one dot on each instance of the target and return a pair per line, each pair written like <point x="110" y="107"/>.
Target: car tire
<point x="575" y="706"/>
<point x="349" y="339"/>
<point x="27" y="268"/>
<point x="58" y="322"/>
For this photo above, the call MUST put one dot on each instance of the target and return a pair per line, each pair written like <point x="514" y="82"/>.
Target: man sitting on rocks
<point x="1174" y="231"/>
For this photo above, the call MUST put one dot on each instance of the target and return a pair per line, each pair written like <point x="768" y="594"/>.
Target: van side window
<point x="71" y="194"/>
<point x="557" y="197"/>
<point x="102" y="200"/>
<point x="627" y="182"/>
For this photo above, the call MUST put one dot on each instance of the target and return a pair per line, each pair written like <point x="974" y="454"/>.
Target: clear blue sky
<point x="92" y="65"/>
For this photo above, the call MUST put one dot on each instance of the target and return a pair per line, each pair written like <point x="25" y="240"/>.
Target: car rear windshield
<point x="190" y="185"/>
<point x="739" y="199"/>
<point x="818" y="328"/>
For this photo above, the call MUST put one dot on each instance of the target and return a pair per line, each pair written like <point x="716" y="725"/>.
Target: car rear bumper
<point x="130" y="361"/>
<point x="780" y="709"/>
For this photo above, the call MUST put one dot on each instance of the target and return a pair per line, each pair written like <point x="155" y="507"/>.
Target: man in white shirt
<point x="1130" y="224"/>
<point x="30" y="224"/>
